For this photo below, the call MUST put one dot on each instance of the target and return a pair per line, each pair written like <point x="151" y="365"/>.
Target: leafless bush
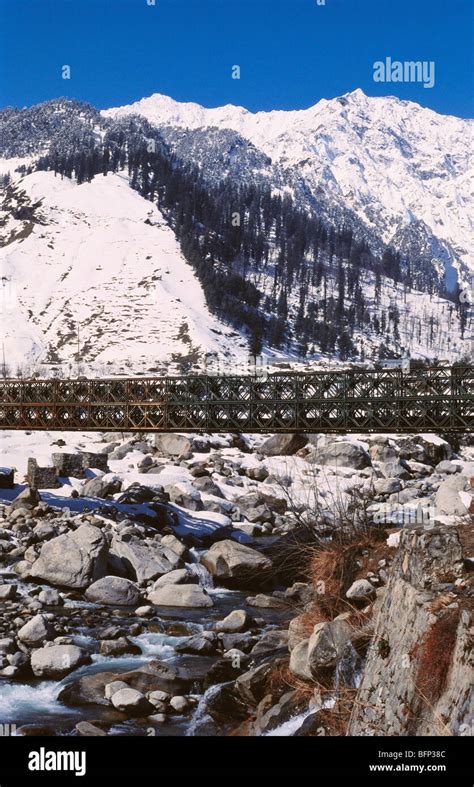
<point x="341" y="514"/>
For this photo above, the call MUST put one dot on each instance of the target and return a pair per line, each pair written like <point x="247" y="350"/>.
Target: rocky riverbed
<point x="175" y="585"/>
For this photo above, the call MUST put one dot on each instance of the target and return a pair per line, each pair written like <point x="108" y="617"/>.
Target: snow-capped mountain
<point x="403" y="170"/>
<point x="355" y="218"/>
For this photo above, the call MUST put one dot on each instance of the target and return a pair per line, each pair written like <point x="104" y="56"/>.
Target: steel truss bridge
<point x="436" y="399"/>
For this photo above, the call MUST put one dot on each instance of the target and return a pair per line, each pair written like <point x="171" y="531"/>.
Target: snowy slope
<point x="99" y="259"/>
<point x="395" y="164"/>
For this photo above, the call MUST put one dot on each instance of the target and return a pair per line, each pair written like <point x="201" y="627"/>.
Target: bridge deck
<point x="393" y="400"/>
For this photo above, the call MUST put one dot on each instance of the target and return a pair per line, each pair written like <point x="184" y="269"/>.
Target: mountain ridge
<point x="369" y="184"/>
<point x="310" y="270"/>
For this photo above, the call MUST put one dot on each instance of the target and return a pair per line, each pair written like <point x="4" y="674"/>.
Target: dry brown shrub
<point x="435" y="655"/>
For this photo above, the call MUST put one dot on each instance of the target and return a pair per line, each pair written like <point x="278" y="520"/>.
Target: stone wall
<point x="41" y="477"/>
<point x="417" y="678"/>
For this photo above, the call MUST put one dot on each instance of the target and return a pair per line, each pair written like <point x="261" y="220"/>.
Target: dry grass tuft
<point x="435" y="655"/>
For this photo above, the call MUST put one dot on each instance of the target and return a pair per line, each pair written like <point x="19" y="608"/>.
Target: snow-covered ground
<point x="104" y="274"/>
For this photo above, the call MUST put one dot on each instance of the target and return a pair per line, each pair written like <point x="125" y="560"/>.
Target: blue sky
<point x="291" y="52"/>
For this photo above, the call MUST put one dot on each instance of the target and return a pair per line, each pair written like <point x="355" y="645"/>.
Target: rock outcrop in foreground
<point x="418" y="675"/>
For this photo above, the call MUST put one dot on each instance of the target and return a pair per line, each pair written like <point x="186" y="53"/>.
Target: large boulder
<point x="132" y="702"/>
<point x="176" y="546"/>
<point x="387" y="486"/>
<point x="101" y="486"/>
<point x="361" y="589"/>
<point x="297" y="632"/>
<point x="235" y="564"/>
<point x="435" y="448"/>
<point x="86" y="729"/>
<point x="145" y="560"/>
<point x="115" y="591"/>
<point x="185" y="495"/>
<point x="173" y="444"/>
<point x="326" y="644"/>
<point x="253" y="468"/>
<point x="346" y="453"/>
<point x="180" y="596"/>
<point x="254" y="508"/>
<point x="451" y="498"/>
<point x="395" y="469"/>
<point x="58" y="660"/>
<point x="177" y="577"/>
<point x="118" y="647"/>
<point x="72" y="560"/>
<point x="283" y="444"/>
<point x="35" y="631"/>
<point x="236" y="621"/>
<point x="50" y="597"/>
<point x="448" y="467"/>
<point x="119" y="452"/>
<point x="271" y="642"/>
<point x="381" y="450"/>
<point x="299" y="660"/>
<point x="199" y="645"/>
<point x="28" y="498"/>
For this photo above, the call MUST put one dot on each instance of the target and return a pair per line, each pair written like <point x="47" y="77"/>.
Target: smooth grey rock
<point x="185" y="495"/>
<point x="299" y="660"/>
<point x="237" y="620"/>
<point x="28" y="497"/>
<point x="229" y="560"/>
<point x="177" y="577"/>
<point x="101" y="487"/>
<point x="283" y="444"/>
<point x="145" y="560"/>
<point x="345" y="453"/>
<point x="114" y="591"/>
<point x="447" y="499"/>
<point x="58" y="660"/>
<point x="387" y="486"/>
<point x="327" y="643"/>
<point x="172" y="444"/>
<point x="113" y="687"/>
<point x="118" y="647"/>
<point x="179" y="704"/>
<point x="448" y="467"/>
<point x="7" y="592"/>
<point x="173" y="543"/>
<point x="180" y="596"/>
<point x="361" y="589"/>
<point x="50" y="597"/>
<point x="87" y="729"/>
<point x="36" y="630"/>
<point x="132" y="702"/>
<point x="72" y="560"/>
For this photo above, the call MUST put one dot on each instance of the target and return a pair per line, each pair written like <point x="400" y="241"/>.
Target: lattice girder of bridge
<point x="437" y="399"/>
